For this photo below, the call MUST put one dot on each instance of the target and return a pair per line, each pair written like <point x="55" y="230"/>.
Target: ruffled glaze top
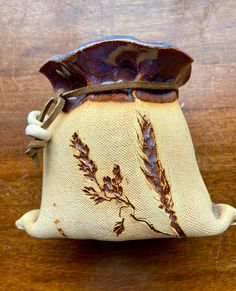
<point x="118" y="59"/>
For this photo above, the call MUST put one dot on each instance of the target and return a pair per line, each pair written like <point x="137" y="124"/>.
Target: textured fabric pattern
<point x="112" y="132"/>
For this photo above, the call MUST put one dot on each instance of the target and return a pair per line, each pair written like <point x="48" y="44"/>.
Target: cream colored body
<point x="110" y="130"/>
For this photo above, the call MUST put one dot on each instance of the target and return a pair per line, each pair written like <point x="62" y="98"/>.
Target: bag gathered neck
<point x="61" y="95"/>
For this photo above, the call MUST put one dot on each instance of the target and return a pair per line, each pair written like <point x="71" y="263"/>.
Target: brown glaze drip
<point x="154" y="172"/>
<point x="109" y="190"/>
<point x="155" y="97"/>
<point x="122" y="95"/>
<point x="131" y="95"/>
<point x="60" y="230"/>
<point x="56" y="221"/>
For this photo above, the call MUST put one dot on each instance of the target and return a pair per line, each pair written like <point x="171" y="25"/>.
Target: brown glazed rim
<point x="169" y="54"/>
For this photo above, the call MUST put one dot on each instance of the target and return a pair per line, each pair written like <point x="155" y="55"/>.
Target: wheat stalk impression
<point x="154" y="172"/>
<point x="109" y="190"/>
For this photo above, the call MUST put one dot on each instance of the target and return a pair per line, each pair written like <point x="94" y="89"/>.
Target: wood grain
<point x="31" y="31"/>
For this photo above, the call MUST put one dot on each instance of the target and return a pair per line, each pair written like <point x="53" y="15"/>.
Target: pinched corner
<point x="225" y="216"/>
<point x="27" y="222"/>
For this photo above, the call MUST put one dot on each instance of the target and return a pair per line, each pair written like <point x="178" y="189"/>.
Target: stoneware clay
<point x="119" y="162"/>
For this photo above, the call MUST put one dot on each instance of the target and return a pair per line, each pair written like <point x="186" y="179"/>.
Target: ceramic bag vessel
<point x="120" y="164"/>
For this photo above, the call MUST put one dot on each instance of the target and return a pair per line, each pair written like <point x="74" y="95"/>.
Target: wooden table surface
<point x="32" y="31"/>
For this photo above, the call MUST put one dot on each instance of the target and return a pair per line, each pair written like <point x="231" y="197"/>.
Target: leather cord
<point x="144" y="85"/>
